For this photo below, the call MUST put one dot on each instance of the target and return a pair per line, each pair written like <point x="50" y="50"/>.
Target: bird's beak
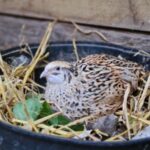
<point x="43" y="74"/>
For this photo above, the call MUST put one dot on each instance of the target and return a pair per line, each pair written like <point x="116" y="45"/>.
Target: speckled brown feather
<point x="96" y="84"/>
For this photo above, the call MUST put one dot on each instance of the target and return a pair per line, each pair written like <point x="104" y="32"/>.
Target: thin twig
<point x="144" y="94"/>
<point x="90" y="32"/>
<point x="124" y="108"/>
<point x="75" y="48"/>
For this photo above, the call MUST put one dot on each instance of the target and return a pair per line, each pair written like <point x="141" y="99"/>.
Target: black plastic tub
<point x="14" y="138"/>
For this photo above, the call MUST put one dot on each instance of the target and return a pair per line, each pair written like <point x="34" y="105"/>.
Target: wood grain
<point x="133" y="14"/>
<point x="15" y="31"/>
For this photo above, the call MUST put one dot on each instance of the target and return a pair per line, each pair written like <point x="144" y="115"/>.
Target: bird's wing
<point x="100" y="81"/>
<point x="126" y="70"/>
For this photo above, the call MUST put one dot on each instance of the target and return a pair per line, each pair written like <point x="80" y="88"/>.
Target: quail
<point x="93" y="85"/>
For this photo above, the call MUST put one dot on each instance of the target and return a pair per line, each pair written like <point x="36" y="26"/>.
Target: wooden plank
<point x="133" y="14"/>
<point x="15" y="31"/>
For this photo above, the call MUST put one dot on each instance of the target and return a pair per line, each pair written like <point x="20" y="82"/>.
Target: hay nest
<point x="17" y="83"/>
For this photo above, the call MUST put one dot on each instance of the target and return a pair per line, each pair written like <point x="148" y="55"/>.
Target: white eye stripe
<point x="55" y="79"/>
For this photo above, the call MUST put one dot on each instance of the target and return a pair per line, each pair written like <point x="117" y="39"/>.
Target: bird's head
<point x="57" y="72"/>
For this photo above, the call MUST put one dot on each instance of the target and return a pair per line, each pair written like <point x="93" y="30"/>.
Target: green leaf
<point x="78" y="127"/>
<point x="53" y="121"/>
<point x="19" y="112"/>
<point x="30" y="109"/>
<point x="36" y="109"/>
<point x="59" y="120"/>
<point x="46" y="110"/>
<point x="62" y="120"/>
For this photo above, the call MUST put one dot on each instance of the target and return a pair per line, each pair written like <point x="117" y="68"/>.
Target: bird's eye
<point x="58" y="68"/>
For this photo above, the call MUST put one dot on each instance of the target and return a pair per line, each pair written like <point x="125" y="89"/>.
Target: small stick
<point x="144" y="94"/>
<point x="75" y="48"/>
<point x="116" y="136"/>
<point x="90" y="31"/>
<point x="46" y="118"/>
<point x="77" y="121"/>
<point x="124" y="108"/>
<point x="54" y="130"/>
<point x="135" y="117"/>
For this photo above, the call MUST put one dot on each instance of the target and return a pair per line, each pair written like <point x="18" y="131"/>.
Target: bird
<point x="93" y="85"/>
